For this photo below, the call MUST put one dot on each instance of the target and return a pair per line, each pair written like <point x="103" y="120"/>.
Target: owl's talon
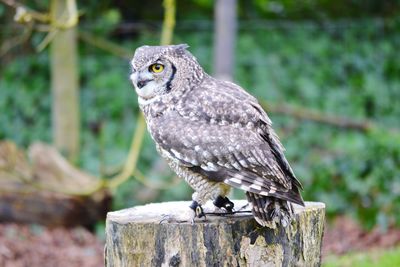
<point x="198" y="210"/>
<point x="165" y="218"/>
<point x="224" y="202"/>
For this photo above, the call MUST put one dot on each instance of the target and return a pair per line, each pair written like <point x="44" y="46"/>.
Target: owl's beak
<point x="142" y="83"/>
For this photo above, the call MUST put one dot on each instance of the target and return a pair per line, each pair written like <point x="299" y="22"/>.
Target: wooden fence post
<point x="161" y="235"/>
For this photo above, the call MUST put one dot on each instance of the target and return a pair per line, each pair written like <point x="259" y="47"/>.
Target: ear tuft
<point x="180" y="49"/>
<point x="182" y="46"/>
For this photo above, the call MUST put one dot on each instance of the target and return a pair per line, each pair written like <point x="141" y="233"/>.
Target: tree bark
<point x="161" y="234"/>
<point x="65" y="85"/>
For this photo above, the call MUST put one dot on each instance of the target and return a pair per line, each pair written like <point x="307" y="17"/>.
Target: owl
<point x="213" y="134"/>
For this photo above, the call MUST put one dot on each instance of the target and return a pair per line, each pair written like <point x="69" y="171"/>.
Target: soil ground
<point x="345" y="235"/>
<point x="36" y="246"/>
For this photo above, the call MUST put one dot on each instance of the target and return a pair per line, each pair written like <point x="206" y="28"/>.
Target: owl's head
<point x="159" y="70"/>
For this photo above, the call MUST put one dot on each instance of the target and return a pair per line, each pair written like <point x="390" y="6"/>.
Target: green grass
<point x="381" y="258"/>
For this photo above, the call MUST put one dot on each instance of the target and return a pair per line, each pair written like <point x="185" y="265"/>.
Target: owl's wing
<point x="233" y="153"/>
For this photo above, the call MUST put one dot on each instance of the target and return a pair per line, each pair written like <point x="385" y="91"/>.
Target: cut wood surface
<point x="161" y="234"/>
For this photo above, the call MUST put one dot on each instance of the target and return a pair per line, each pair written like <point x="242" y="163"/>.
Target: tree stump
<point x="161" y="234"/>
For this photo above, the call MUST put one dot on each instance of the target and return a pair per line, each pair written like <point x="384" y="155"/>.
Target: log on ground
<point x="162" y="234"/>
<point x="43" y="187"/>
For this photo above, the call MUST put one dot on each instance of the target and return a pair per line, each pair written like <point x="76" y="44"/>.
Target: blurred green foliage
<point x="349" y="68"/>
<point x="382" y="258"/>
<point x="316" y="9"/>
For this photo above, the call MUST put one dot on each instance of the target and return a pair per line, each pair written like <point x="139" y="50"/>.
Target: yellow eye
<point x="156" y="68"/>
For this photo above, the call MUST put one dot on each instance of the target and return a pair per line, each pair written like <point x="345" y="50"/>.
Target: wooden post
<point x="224" y="38"/>
<point x="161" y="235"/>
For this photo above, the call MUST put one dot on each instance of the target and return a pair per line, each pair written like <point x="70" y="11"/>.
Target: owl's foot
<point x="198" y="210"/>
<point x="224" y="202"/>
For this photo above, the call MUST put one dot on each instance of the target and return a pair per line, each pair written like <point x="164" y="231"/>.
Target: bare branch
<point x="316" y="116"/>
<point x="106" y="45"/>
<point x="313" y="115"/>
<point x="13" y="42"/>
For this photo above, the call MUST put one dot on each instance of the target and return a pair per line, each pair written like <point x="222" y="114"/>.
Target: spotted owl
<point x="213" y="134"/>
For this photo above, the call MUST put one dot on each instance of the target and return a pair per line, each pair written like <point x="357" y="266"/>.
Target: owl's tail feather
<point x="270" y="211"/>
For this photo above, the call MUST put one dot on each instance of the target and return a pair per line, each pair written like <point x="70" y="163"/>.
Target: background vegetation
<point x="334" y="58"/>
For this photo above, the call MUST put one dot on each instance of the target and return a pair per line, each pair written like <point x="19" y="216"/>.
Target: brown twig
<point x="20" y="39"/>
<point x="316" y="116"/>
<point x="25" y="14"/>
<point x="106" y="45"/>
<point x="131" y="161"/>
